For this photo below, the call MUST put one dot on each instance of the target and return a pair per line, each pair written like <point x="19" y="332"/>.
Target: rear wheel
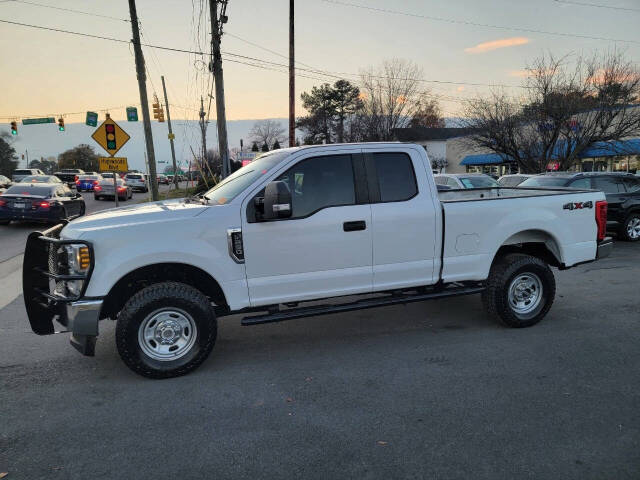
<point x="166" y="330"/>
<point x="520" y="290"/>
<point x="630" y="229"/>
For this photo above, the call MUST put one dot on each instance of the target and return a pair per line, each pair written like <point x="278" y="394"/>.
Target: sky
<point x="50" y="73"/>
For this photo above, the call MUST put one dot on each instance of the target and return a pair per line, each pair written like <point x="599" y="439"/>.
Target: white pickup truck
<point x="363" y="224"/>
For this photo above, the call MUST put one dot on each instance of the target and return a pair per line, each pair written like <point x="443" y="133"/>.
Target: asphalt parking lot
<point x="427" y="390"/>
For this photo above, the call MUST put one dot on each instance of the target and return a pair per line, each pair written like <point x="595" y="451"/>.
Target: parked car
<point x="621" y="189"/>
<point x="20" y="173"/>
<point x="298" y="225"/>
<point x="137" y="181"/>
<point x="163" y="179"/>
<point x="465" y="180"/>
<point x="170" y="178"/>
<point x="41" y="202"/>
<point x="513" y="180"/>
<point x="69" y="175"/>
<point x="40" y="179"/>
<point x="87" y="182"/>
<point x="104" y="189"/>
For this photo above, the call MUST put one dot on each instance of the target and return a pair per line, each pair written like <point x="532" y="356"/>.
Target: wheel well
<point x="536" y="243"/>
<point x="142" y="277"/>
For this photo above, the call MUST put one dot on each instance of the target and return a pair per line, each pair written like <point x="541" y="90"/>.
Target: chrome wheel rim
<point x="167" y="334"/>
<point x="525" y="293"/>
<point x="633" y="228"/>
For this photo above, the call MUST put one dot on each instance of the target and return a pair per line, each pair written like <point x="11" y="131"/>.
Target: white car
<point x="298" y="225"/>
<point x="513" y="180"/>
<point x="20" y="173"/>
<point x="137" y="181"/>
<point x="465" y="180"/>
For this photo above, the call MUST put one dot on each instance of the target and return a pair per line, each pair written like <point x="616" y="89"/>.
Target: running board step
<point x="312" y="311"/>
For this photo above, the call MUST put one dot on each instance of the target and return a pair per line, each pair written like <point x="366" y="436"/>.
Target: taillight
<point x="95" y="182"/>
<point x="2" y="203"/>
<point x="97" y="188"/>
<point x="43" y="204"/>
<point x="75" y="178"/>
<point x="601" y="219"/>
<point x="122" y="189"/>
<point x="77" y="181"/>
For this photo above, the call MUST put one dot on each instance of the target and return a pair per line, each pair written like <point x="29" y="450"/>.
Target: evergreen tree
<point x="265" y="147"/>
<point x="276" y="145"/>
<point x="254" y="147"/>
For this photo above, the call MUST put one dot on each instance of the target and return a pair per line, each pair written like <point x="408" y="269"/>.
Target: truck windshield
<point x="235" y="184"/>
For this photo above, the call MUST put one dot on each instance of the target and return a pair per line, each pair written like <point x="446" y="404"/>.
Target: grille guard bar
<point x="43" y="306"/>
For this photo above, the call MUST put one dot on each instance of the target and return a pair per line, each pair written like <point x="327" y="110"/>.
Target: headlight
<point x="78" y="258"/>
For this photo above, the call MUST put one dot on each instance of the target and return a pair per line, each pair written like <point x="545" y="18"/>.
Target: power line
<point x="585" y="4"/>
<point x="69" y="10"/>
<point x="476" y="24"/>
<point x="337" y="75"/>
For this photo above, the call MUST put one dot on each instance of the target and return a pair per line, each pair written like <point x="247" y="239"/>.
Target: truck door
<point x="403" y="217"/>
<point x="324" y="248"/>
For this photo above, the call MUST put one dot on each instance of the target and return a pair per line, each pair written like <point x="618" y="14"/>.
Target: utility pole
<point x="203" y="129"/>
<point x="173" y="149"/>
<point x="144" y="101"/>
<point x="292" y="80"/>
<point x="216" y="67"/>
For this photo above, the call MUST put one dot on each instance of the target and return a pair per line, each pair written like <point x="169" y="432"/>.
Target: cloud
<point x="496" y="44"/>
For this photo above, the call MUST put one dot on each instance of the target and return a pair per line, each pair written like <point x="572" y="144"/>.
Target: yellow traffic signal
<point x="14" y="128"/>
<point x="61" y="124"/>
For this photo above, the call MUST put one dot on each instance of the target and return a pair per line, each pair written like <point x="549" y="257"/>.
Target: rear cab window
<point x="396" y="178"/>
<point x="609" y="184"/>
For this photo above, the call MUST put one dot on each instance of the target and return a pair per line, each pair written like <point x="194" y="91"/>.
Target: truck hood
<point x="145" y="213"/>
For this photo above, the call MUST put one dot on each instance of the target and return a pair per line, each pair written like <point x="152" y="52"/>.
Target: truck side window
<point x="632" y="184"/>
<point x="395" y="176"/>
<point x="609" y="185"/>
<point x="581" y="183"/>
<point x="320" y="182"/>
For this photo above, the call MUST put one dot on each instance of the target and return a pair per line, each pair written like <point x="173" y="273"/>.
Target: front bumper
<point x="604" y="248"/>
<point x="41" y="279"/>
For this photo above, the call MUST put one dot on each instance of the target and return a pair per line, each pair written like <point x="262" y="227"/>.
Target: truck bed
<point x="475" y="194"/>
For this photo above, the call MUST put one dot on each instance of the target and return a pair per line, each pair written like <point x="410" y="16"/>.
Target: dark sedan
<point x="40" y="202"/>
<point x="621" y="189"/>
<point x="87" y="182"/>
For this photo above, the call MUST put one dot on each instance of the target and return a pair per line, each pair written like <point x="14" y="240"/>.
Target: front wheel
<point x="520" y="290"/>
<point x="630" y="229"/>
<point x="166" y="330"/>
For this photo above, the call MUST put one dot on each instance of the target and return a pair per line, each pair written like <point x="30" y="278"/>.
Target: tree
<point x="83" y="157"/>
<point x="331" y="109"/>
<point x="254" y="147"/>
<point x="265" y="147"/>
<point x="565" y="109"/>
<point x="391" y="97"/>
<point x="428" y="114"/>
<point x="276" y="145"/>
<point x="267" y="131"/>
<point x="47" y="165"/>
<point x="8" y="157"/>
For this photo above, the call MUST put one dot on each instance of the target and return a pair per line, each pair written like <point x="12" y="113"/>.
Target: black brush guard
<point x="40" y="276"/>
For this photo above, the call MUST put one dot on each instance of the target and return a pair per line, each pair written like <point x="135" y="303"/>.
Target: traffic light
<point x="110" y="131"/>
<point x="14" y="128"/>
<point x="158" y="111"/>
<point x="61" y="124"/>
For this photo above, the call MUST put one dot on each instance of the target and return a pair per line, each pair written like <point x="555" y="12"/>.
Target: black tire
<point x="122" y="199"/>
<point x="496" y="294"/>
<point x="624" y="228"/>
<point x="97" y="198"/>
<point x="151" y="299"/>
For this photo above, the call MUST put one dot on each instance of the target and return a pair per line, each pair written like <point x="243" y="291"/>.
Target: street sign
<point x="110" y="136"/>
<point x="132" y="114"/>
<point x="113" y="164"/>
<point x="92" y="119"/>
<point x="35" y="121"/>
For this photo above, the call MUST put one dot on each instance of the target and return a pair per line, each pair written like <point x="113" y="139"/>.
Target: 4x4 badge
<point x="577" y="205"/>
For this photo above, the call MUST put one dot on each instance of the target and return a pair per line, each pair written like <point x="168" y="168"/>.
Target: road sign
<point x="132" y="114"/>
<point x="110" y="136"/>
<point x="92" y="119"/>
<point x="113" y="164"/>
<point x="35" y="121"/>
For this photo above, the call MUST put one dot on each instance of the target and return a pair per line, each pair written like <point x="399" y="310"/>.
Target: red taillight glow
<point x="95" y="182"/>
<point x="2" y="203"/>
<point x="97" y="188"/>
<point x="601" y="219"/>
<point x="76" y="178"/>
<point x="44" y="205"/>
<point x="122" y="189"/>
<point x="77" y="181"/>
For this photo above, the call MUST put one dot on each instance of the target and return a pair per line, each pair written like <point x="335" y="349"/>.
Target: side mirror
<point x="277" y="201"/>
